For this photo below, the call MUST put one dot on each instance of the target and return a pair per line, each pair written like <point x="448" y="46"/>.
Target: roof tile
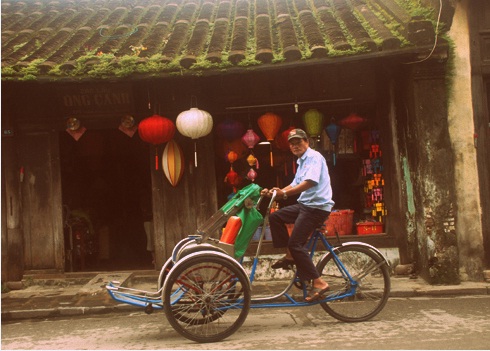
<point x="187" y="32"/>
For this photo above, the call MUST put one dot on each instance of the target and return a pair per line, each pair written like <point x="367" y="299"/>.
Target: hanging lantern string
<point x="193" y="101"/>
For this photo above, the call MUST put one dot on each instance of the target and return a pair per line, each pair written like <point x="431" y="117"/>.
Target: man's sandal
<point x="283" y="263"/>
<point x="316" y="293"/>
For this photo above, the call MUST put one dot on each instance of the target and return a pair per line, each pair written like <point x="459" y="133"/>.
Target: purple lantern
<point x="229" y="129"/>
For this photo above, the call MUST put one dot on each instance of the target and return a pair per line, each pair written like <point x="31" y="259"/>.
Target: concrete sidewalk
<point x="73" y="294"/>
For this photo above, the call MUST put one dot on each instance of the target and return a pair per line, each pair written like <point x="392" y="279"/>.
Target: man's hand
<point x="266" y="192"/>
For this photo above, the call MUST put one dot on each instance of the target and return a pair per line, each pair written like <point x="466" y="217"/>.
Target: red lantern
<point x="282" y="139"/>
<point x="156" y="130"/>
<point x="229" y="129"/>
<point x="269" y="124"/>
<point x="353" y="121"/>
<point x="232" y="179"/>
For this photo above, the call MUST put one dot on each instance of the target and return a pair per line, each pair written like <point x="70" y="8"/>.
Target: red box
<point x="365" y="228"/>
<point x="340" y="221"/>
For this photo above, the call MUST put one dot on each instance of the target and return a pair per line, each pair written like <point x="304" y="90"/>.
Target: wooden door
<point x="41" y="201"/>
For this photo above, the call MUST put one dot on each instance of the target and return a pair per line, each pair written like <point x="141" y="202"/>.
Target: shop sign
<point x="96" y="99"/>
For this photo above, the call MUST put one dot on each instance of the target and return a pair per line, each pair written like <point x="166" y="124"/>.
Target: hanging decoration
<point x="354" y="122"/>
<point x="282" y="139"/>
<point x="232" y="179"/>
<point x="251" y="175"/>
<point x="223" y="147"/>
<point x="194" y="123"/>
<point x="333" y="132"/>
<point x="269" y="124"/>
<point x="253" y="161"/>
<point x="250" y="138"/>
<point x="313" y="121"/>
<point x="229" y="129"/>
<point x="232" y="157"/>
<point x="156" y="130"/>
<point x="74" y="128"/>
<point x="128" y="125"/>
<point x="173" y="162"/>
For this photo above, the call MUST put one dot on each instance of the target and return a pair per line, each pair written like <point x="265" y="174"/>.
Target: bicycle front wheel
<point x="206" y="297"/>
<point x="371" y="274"/>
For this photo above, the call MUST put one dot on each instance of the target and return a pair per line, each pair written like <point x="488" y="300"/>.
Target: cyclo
<point x="206" y="293"/>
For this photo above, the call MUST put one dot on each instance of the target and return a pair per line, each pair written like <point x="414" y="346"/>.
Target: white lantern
<point x="194" y="123"/>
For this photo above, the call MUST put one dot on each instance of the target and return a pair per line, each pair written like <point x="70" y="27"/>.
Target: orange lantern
<point x="173" y="162"/>
<point x="269" y="124"/>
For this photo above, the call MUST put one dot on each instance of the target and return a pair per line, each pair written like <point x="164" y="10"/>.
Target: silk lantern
<point x="156" y="130"/>
<point x="252" y="174"/>
<point x="194" y="123"/>
<point x="229" y="129"/>
<point x="333" y="132"/>
<point x="269" y="124"/>
<point x="173" y="162"/>
<point x="250" y="138"/>
<point x="313" y="121"/>
<point x="354" y="122"/>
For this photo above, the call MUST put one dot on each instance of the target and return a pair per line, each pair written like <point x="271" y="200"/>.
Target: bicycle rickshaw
<point x="206" y="293"/>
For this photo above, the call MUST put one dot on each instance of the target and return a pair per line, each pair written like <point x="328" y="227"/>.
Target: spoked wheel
<point x="371" y="273"/>
<point x="206" y="296"/>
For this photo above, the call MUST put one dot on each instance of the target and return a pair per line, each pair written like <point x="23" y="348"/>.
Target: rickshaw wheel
<point x="206" y="296"/>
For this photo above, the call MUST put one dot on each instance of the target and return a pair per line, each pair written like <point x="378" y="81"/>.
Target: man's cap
<point x="297" y="133"/>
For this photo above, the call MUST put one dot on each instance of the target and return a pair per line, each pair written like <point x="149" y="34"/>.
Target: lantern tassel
<point x="156" y="157"/>
<point x="195" y="154"/>
<point x="272" y="159"/>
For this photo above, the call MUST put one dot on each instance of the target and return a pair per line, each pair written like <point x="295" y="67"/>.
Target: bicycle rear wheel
<point x="206" y="297"/>
<point x="371" y="273"/>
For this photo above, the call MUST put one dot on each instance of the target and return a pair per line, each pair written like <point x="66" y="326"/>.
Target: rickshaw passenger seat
<point x="231" y="230"/>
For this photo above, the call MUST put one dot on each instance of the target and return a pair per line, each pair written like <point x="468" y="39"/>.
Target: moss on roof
<point x="119" y="38"/>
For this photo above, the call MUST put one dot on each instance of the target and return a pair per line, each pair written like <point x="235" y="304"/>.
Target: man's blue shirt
<point x="312" y="166"/>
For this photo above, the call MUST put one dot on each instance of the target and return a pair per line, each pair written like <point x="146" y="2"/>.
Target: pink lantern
<point x="250" y="138"/>
<point x="252" y="174"/>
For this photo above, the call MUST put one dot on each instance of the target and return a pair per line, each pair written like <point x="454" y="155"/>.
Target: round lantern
<point x="173" y="162"/>
<point x="194" y="123"/>
<point x="229" y="129"/>
<point x="251" y="175"/>
<point x="269" y="124"/>
<point x="313" y="121"/>
<point x="232" y="156"/>
<point x="156" y="130"/>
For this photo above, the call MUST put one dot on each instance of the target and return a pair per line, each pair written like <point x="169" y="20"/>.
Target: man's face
<point x="298" y="146"/>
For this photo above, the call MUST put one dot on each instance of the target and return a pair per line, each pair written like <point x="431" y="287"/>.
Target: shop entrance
<point x="106" y="189"/>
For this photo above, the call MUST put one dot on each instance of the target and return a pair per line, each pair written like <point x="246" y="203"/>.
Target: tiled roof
<point x="100" y="38"/>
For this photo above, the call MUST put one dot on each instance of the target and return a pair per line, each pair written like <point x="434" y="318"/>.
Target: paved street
<point x="405" y="323"/>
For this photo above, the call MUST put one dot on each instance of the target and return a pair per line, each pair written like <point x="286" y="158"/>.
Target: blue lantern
<point x="333" y="132"/>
